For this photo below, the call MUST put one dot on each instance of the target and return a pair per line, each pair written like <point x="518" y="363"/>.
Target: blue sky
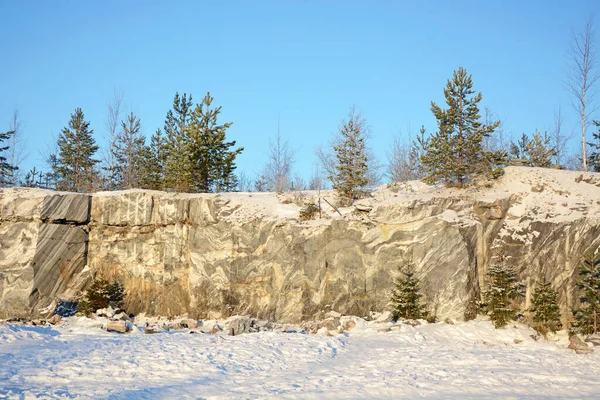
<point x="306" y="61"/>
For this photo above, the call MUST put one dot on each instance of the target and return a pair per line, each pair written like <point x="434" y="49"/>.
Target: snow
<point x="466" y="360"/>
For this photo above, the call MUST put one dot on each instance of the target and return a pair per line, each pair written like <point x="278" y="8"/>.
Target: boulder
<point x="38" y="322"/>
<point x="325" y="332"/>
<point x="385" y="316"/>
<point x="105" y="312"/>
<point x="55" y="319"/>
<point x="189" y="323"/>
<point x="310" y="327"/>
<point x="216" y="329"/>
<point x="332" y="324"/>
<point x="176" y="326"/>
<point x="363" y="207"/>
<point x="150" y="331"/>
<point x="579" y="346"/>
<point x="237" y="325"/>
<point x="384" y="330"/>
<point x="593" y="339"/>
<point x="348" y="325"/>
<point x="121" y="317"/>
<point x="494" y="213"/>
<point x="118" y="326"/>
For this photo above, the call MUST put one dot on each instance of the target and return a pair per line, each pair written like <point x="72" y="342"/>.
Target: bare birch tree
<point x="17" y="154"/>
<point x="582" y="75"/>
<point x="276" y="173"/>
<point x="558" y="139"/>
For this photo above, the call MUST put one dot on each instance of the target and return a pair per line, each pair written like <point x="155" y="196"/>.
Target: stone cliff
<point x="213" y="255"/>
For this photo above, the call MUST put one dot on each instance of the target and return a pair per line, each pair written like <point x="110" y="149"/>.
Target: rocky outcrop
<point x="212" y="256"/>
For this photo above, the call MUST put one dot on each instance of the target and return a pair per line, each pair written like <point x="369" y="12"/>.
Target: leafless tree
<point x="559" y="139"/>
<point x="114" y="109"/>
<point x="17" y="150"/>
<point x="298" y="183"/>
<point x="398" y="157"/>
<point x="316" y="180"/>
<point x="500" y="140"/>
<point x="582" y="75"/>
<point x="244" y="182"/>
<point x="276" y="173"/>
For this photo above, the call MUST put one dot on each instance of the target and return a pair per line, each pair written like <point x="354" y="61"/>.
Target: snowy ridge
<point x="465" y="360"/>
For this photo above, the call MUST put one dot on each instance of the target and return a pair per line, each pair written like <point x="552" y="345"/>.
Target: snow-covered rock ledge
<point x="210" y="256"/>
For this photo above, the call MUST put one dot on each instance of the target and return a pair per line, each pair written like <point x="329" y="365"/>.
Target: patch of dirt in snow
<point x="471" y="360"/>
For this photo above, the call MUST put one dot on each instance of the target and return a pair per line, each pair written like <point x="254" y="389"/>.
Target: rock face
<point x="212" y="256"/>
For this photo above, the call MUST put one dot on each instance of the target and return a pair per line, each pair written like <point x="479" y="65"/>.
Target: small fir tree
<point x="102" y="294"/>
<point x="503" y="288"/>
<point x="456" y="153"/>
<point x="544" y="306"/>
<point x="351" y="165"/>
<point x="586" y="316"/>
<point x="6" y="169"/>
<point x="406" y="296"/>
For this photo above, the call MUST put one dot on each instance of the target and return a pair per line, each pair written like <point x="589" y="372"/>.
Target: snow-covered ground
<point x="466" y="360"/>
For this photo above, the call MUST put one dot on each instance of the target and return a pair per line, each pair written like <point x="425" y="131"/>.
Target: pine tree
<point x="178" y="153"/>
<point x="456" y="153"/>
<point x="153" y="162"/>
<point x="6" y="169"/>
<point x="544" y="306"/>
<point x="587" y="319"/>
<point x="594" y="161"/>
<point x="406" y="296"/>
<point x="351" y="166"/>
<point x="213" y="159"/>
<point x="534" y="152"/>
<point x="127" y="153"/>
<point x="75" y="162"/>
<point x="503" y="288"/>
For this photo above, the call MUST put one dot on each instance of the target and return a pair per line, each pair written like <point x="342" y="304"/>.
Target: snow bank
<point x="466" y="360"/>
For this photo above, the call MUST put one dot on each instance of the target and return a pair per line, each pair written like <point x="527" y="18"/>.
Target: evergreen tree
<point x="102" y="294"/>
<point x="178" y="162"/>
<point x="213" y="159"/>
<point x="75" y="162"/>
<point x="34" y="178"/>
<point x="586" y="317"/>
<point x="502" y="290"/>
<point x="6" y="169"/>
<point x="594" y="160"/>
<point x="153" y="162"/>
<point x="127" y="153"/>
<point x="418" y="149"/>
<point x="351" y="165"/>
<point x="456" y="153"/>
<point x="406" y="296"/>
<point x="535" y="152"/>
<point x="544" y="306"/>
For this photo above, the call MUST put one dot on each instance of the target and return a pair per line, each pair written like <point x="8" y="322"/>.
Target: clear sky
<point x="306" y="61"/>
